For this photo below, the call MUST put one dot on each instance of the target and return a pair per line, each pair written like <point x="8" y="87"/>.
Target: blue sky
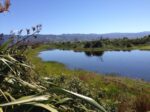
<point x="78" y="16"/>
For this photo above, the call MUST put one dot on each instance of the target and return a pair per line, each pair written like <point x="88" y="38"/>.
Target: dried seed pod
<point x="20" y="32"/>
<point x="28" y="31"/>
<point x="37" y="27"/>
<point x="33" y="28"/>
<point x="40" y="26"/>
<point x="12" y="32"/>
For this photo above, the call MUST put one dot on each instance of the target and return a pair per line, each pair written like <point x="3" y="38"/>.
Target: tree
<point x="87" y="45"/>
<point x="96" y="44"/>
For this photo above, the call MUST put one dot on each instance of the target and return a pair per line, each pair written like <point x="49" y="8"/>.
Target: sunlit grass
<point x="112" y="89"/>
<point x="55" y="68"/>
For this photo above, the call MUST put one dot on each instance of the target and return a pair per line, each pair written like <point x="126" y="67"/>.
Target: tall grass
<point x="21" y="88"/>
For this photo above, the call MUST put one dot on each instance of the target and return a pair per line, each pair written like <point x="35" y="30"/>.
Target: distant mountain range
<point x="89" y="37"/>
<point x="85" y="37"/>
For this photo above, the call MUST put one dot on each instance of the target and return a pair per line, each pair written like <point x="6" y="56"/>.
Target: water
<point x="134" y="64"/>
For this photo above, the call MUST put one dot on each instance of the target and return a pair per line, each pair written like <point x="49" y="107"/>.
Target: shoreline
<point x="64" y="67"/>
<point x="103" y="88"/>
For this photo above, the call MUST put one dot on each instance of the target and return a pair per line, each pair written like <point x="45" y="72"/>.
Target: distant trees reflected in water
<point x="94" y="53"/>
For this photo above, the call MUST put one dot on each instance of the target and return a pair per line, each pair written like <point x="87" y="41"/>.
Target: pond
<point x="133" y="64"/>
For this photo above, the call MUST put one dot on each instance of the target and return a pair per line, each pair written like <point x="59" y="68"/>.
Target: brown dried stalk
<point x="5" y="7"/>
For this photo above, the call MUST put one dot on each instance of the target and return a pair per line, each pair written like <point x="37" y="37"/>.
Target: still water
<point x="134" y="64"/>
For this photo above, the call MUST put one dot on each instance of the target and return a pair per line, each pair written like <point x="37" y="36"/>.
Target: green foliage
<point x="105" y="44"/>
<point x="22" y="90"/>
<point x="115" y="93"/>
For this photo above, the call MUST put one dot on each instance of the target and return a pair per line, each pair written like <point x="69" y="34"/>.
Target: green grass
<point x="144" y="47"/>
<point x="48" y="68"/>
<point x="112" y="88"/>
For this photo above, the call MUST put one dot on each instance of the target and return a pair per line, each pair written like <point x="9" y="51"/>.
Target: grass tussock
<point x="23" y="90"/>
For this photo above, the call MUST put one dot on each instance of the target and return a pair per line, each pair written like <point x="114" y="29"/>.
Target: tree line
<point x="107" y="42"/>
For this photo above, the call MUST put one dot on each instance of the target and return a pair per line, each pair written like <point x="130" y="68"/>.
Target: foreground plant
<point x="21" y="89"/>
<point x="43" y="95"/>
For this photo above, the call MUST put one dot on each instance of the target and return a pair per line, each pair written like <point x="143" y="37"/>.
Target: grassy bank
<point x="116" y="92"/>
<point x="79" y="47"/>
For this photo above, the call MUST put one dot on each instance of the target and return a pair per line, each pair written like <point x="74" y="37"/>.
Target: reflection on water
<point x="134" y="64"/>
<point x="94" y="53"/>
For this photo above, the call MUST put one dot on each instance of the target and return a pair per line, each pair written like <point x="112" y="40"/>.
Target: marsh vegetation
<point x="28" y="84"/>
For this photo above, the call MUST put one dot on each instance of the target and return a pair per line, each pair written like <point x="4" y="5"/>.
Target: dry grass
<point x="142" y="103"/>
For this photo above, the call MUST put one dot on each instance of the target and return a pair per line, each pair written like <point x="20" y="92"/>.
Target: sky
<point x="78" y="16"/>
